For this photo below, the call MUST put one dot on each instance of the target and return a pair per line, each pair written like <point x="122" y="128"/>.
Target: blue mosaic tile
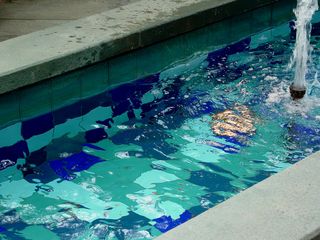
<point x="166" y="223"/>
<point x="66" y="167"/>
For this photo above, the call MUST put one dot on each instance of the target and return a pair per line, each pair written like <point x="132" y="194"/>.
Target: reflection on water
<point x="146" y="156"/>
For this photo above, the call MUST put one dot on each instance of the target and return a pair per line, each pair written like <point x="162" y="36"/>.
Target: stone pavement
<point x="19" y="17"/>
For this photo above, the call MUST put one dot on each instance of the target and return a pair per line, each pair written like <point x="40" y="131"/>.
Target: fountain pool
<point x="141" y="158"/>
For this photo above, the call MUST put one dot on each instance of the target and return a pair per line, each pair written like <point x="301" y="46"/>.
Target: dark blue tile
<point x="10" y="155"/>
<point x="66" y="167"/>
<point x="120" y="108"/>
<point x="303" y="137"/>
<point x="134" y="89"/>
<point x="220" y="56"/>
<point x="103" y="100"/>
<point x="37" y="126"/>
<point x="106" y="122"/>
<point x="95" y="135"/>
<point x="166" y="223"/>
<point x="68" y="112"/>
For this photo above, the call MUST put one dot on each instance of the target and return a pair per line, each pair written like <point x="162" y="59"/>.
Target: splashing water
<point x="302" y="51"/>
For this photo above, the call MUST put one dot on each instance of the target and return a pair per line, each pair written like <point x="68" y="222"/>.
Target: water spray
<point x="302" y="51"/>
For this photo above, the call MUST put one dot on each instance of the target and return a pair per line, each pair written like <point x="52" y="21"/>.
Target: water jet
<point x="302" y="51"/>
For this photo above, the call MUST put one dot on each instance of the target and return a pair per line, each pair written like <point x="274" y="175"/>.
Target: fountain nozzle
<point x="297" y="92"/>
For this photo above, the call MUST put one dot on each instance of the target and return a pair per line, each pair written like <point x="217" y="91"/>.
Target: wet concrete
<point x="19" y="17"/>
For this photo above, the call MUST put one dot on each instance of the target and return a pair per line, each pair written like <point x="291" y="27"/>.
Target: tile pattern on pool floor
<point x="139" y="159"/>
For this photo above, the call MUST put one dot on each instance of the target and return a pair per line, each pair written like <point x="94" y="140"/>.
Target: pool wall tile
<point x="160" y="56"/>
<point x="150" y="59"/>
<point x="66" y="89"/>
<point x="217" y="34"/>
<point x="94" y="79"/>
<point x="261" y="18"/>
<point x="153" y="35"/>
<point x="282" y="11"/>
<point x="35" y="100"/>
<point x="241" y="26"/>
<point x="146" y="61"/>
<point x="194" y="41"/>
<point x="122" y="68"/>
<point x="9" y="109"/>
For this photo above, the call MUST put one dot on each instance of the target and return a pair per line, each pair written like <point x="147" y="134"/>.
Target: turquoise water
<point x="141" y="158"/>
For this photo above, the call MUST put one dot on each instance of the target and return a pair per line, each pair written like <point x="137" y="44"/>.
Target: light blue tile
<point x="10" y="135"/>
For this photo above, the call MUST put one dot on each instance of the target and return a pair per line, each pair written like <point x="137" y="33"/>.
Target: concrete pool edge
<point x="38" y="56"/>
<point x="285" y="206"/>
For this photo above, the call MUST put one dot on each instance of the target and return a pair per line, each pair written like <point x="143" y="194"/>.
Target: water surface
<point x="141" y="158"/>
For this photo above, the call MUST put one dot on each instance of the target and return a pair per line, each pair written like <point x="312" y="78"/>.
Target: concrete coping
<point x="40" y="55"/>
<point x="285" y="206"/>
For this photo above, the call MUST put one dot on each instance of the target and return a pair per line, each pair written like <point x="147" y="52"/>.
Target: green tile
<point x="122" y="69"/>
<point x="196" y="41"/>
<point x="94" y="79"/>
<point x="66" y="89"/>
<point x="35" y="100"/>
<point x="9" y="109"/>
<point x="160" y="56"/>
<point x="219" y="33"/>
<point x="282" y="11"/>
<point x="146" y="61"/>
<point x="241" y="26"/>
<point x="261" y="19"/>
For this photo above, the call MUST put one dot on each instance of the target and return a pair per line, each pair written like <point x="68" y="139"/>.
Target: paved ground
<point x="18" y="17"/>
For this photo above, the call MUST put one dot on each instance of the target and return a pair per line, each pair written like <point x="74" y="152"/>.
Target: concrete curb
<point x="37" y="56"/>
<point x="285" y="206"/>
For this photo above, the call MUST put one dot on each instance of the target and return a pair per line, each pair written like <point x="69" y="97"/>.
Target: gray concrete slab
<point x="14" y="28"/>
<point x="286" y="206"/>
<point x="34" y="57"/>
<point x="19" y="17"/>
